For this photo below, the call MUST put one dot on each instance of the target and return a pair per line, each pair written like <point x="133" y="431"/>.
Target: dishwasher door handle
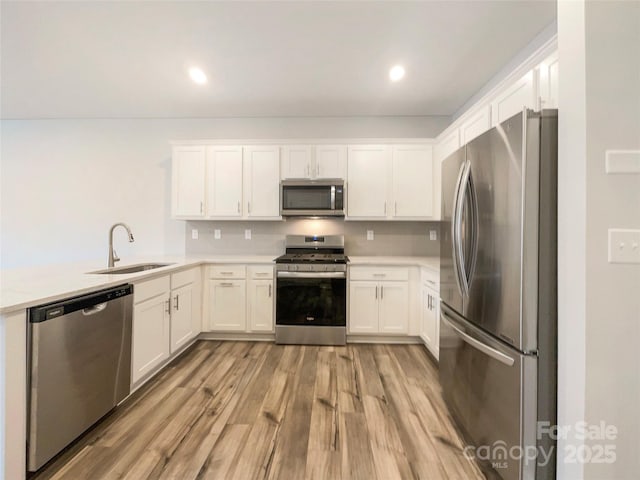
<point x="95" y="309"/>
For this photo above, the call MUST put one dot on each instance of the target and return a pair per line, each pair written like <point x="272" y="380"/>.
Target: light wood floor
<point x="240" y="410"/>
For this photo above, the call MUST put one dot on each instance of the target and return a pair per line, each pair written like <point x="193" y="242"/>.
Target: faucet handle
<point x="116" y="258"/>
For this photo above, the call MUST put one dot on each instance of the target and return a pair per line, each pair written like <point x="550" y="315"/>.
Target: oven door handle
<point x="311" y="275"/>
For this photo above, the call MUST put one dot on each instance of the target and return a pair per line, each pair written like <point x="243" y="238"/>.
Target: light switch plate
<point x="194" y="234"/>
<point x="433" y="235"/>
<point x="247" y="234"/>
<point x="217" y="234"/>
<point x="369" y="234"/>
<point x="624" y="245"/>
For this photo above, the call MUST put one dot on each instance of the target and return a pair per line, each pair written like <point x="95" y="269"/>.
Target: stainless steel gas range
<point x="311" y="291"/>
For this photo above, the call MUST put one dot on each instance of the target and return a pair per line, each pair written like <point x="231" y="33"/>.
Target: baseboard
<point x="383" y="339"/>
<point x="238" y="336"/>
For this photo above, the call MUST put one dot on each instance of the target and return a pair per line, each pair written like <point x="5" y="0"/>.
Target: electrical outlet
<point x="217" y="234"/>
<point x="433" y="235"/>
<point x="247" y="234"/>
<point x="369" y="234"/>
<point x="624" y="245"/>
<point x="194" y="234"/>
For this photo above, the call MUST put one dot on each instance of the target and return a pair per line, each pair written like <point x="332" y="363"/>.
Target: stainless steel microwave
<point x="312" y="198"/>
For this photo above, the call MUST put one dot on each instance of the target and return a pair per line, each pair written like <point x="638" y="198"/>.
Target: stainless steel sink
<point x="140" y="267"/>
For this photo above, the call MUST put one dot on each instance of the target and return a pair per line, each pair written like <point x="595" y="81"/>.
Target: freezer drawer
<point x="490" y="389"/>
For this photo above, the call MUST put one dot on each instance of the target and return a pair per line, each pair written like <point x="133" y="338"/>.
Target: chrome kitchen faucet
<point x="113" y="256"/>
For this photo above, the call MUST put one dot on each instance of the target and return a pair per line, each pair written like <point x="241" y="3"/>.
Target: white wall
<point x="613" y="201"/>
<point x="65" y="182"/>
<point x="599" y="313"/>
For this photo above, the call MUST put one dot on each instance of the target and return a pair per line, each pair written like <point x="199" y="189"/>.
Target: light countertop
<point x="432" y="263"/>
<point x="26" y="287"/>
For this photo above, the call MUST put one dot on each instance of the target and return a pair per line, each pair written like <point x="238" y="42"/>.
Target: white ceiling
<point x="129" y="59"/>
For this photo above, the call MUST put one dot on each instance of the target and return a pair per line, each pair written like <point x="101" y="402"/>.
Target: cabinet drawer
<point x="430" y="278"/>
<point x="260" y="272"/>
<point x="184" y="277"/>
<point x="378" y="273"/>
<point x="227" y="271"/>
<point x="151" y="288"/>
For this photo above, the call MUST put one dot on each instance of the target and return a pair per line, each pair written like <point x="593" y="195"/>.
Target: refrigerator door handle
<point x="474" y="227"/>
<point x="458" y="253"/>
<point x="477" y="344"/>
<point x="455" y="230"/>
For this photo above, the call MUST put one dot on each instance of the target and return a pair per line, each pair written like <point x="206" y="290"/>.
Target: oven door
<point x="311" y="299"/>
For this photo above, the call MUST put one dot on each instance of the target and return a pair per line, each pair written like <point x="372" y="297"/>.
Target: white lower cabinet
<point x="240" y="298"/>
<point x="260" y="305"/>
<point x="430" y="312"/>
<point x="227" y="302"/>
<point x="151" y="326"/>
<point x="186" y="307"/>
<point x="379" y="306"/>
<point x="166" y="316"/>
<point x="393" y="307"/>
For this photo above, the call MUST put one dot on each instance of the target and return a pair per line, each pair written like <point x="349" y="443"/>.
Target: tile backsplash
<point x="267" y="238"/>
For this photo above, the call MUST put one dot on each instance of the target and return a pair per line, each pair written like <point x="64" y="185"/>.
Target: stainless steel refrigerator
<point x="498" y="293"/>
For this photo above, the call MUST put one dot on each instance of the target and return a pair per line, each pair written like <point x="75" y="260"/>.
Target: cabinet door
<point x="224" y="181"/>
<point x="548" y="71"/>
<point x="363" y="307"/>
<point x="262" y="181"/>
<point x="394" y="307"/>
<point x="151" y="330"/>
<point x="188" y="181"/>
<point x="331" y="161"/>
<point x="227" y="311"/>
<point x="260" y="305"/>
<point x="446" y="145"/>
<point x="296" y="161"/>
<point x="183" y="326"/>
<point x="429" y="319"/>
<point x="413" y="181"/>
<point x="368" y="180"/>
<point x="513" y="99"/>
<point x="475" y="125"/>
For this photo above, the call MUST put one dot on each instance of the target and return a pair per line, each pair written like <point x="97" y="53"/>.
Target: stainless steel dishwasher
<point x="80" y="367"/>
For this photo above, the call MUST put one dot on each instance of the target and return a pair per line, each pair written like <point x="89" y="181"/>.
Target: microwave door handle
<point x="333" y="197"/>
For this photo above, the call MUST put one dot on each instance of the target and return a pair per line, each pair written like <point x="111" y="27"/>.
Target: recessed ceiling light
<point x="396" y="73"/>
<point x="197" y="76"/>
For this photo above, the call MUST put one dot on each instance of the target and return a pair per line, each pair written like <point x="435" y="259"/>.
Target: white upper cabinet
<point x="262" y="181"/>
<point x="224" y="181"/>
<point x="413" y="193"/>
<point x="446" y="145"/>
<point x="514" y="99"/>
<point x="313" y="162"/>
<point x="548" y="82"/>
<point x="330" y="161"/>
<point x="391" y="182"/>
<point x="188" y="181"/>
<point x="296" y="161"/>
<point x="368" y="180"/>
<point x="475" y="125"/>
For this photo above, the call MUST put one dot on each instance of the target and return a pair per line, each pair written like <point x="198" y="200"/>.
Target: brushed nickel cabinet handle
<point x="177" y="303"/>
<point x="269" y="290"/>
